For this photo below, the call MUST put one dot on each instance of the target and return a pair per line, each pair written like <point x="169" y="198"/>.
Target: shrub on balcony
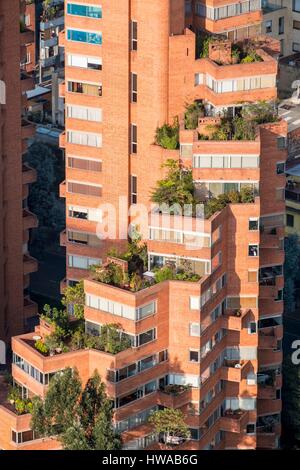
<point x="192" y="114"/>
<point x="169" y="423"/>
<point x="216" y="204"/>
<point x="74" y="296"/>
<point x="167" y="136"/>
<point x="176" y="188"/>
<point x="169" y="273"/>
<point x="111" y="274"/>
<point x="41" y="347"/>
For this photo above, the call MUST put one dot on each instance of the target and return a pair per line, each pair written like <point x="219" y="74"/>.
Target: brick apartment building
<point x="15" y="263"/>
<point x="131" y="66"/>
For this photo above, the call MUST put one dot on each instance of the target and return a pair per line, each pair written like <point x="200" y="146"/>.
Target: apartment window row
<point x="91" y="89"/>
<point x="83" y="238"/>
<point x="37" y="375"/>
<point x="135" y="420"/>
<point x="88" y="189"/>
<point x="136" y="394"/>
<point x="197" y="266"/>
<point x="137" y="341"/>
<point x="85" y="113"/>
<point x="225" y="161"/>
<point x="85" y="213"/>
<point x="88" y="37"/>
<point x="82" y="262"/>
<point x="86" y="164"/>
<point x="218" y="438"/>
<point x="23" y="436"/>
<point x="121" y="310"/>
<point x="179" y="236"/>
<point x="196" y="303"/>
<point x="227" y="11"/>
<point x="195" y="355"/>
<point x="85" y="62"/>
<point x="84" y="138"/>
<point x="137" y="367"/>
<point x="141" y="442"/>
<point x="89" y="11"/>
<point x="232" y="85"/>
<point x="215" y="188"/>
<point x="270" y="322"/>
<point x="211" y="395"/>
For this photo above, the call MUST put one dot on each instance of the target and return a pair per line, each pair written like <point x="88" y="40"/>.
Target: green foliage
<point x="167" y="136"/>
<point x="41" y="347"/>
<point x="81" y="418"/>
<point x="193" y="112"/>
<point x="164" y="274"/>
<point x="169" y="422"/>
<point x="58" y="318"/>
<point x="176" y="188"/>
<point x="112" y="274"/>
<point x="74" y="295"/>
<point x="216" y="204"/>
<point x="22" y="406"/>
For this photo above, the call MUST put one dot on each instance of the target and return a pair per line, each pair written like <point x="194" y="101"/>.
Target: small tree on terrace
<point x="169" y="423"/>
<point x="82" y="419"/>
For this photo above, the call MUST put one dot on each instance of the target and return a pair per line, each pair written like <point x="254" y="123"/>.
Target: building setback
<point x="131" y="66"/>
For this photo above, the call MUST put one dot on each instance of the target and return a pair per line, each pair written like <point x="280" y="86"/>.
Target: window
<point x="146" y="310"/>
<point x="133" y="138"/>
<point x="296" y="46"/>
<point x="84" y="10"/>
<point x="92" y="89"/>
<point x="194" y="356"/>
<point x="134" y="88"/>
<point x="82" y="262"/>
<point x="84" y="164"/>
<point x="296" y="24"/>
<point x="85" y="213"/>
<point x="289" y="220"/>
<point x="281" y="25"/>
<point x="84" y="138"/>
<point x="85" y="113"/>
<point x="84" y="189"/>
<point x="253" y="224"/>
<point x="134" y="35"/>
<point x="88" y="37"/>
<point x="85" y="62"/>
<point x="280" y="168"/>
<point x="146" y="337"/>
<point x="195" y="329"/>
<point x="296" y="5"/>
<point x="281" y="142"/>
<point x="253" y="250"/>
<point x="133" y="185"/>
<point x="251" y="428"/>
<point x="252" y="328"/>
<point x="268" y="26"/>
<point x="195" y="303"/>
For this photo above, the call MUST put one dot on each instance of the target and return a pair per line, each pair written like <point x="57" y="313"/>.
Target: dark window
<point x="289" y="220"/>
<point x="281" y="25"/>
<point x="253" y="224"/>
<point x="194" y="356"/>
<point x="250" y="429"/>
<point x="134" y="88"/>
<point x="133" y="138"/>
<point x="280" y="168"/>
<point x="134" y="36"/>
<point x="133" y="189"/>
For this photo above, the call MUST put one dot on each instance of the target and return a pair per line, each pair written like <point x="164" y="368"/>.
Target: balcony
<point x="29" y="220"/>
<point x="235" y="371"/>
<point x="174" y="396"/>
<point x="26" y="37"/>
<point x="266" y="392"/>
<point x="270" y="238"/>
<point x="268" y="337"/>
<point x="30" y="265"/>
<point x="29" y="175"/>
<point x="62" y="90"/>
<point x="234" y="421"/>
<point x="51" y="42"/>
<point x="62" y="39"/>
<point x="62" y="189"/>
<point x="233" y="319"/>
<point x="62" y="140"/>
<point x="53" y="23"/>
